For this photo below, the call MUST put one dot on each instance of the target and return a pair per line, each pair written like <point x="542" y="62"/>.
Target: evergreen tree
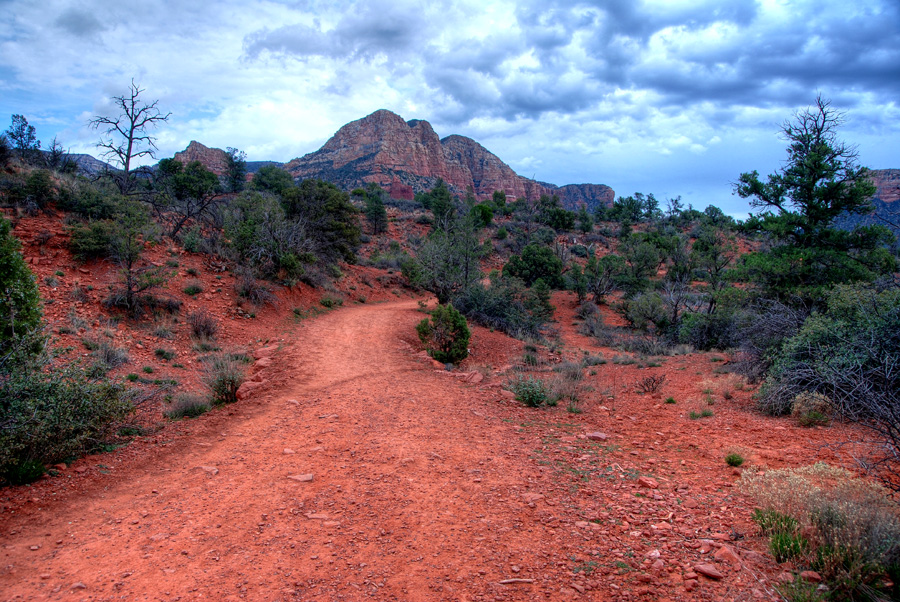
<point x="375" y="212"/>
<point x="820" y="181"/>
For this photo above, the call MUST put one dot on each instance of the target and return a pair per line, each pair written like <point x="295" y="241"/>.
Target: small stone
<point x="659" y="565"/>
<point x="708" y="570"/>
<point x="811" y="576"/>
<point x="597" y="436"/>
<point x="60" y="466"/>
<point x="34" y="548"/>
<point x="727" y="554"/>
<point x="78" y="585"/>
<point x="303" y="478"/>
<point x="648" y="482"/>
<point x="288" y="450"/>
<point x="45" y="576"/>
<point x="210" y="469"/>
<point x="532" y="497"/>
<point x="81" y="469"/>
<point x="691" y="584"/>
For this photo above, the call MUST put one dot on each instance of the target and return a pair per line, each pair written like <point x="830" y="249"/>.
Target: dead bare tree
<point x="125" y="136"/>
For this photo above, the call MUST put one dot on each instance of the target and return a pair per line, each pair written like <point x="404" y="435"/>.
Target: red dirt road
<point x="423" y="487"/>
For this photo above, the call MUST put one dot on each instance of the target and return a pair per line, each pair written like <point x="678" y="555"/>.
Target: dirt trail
<point x="412" y="494"/>
<point x="423" y="487"/>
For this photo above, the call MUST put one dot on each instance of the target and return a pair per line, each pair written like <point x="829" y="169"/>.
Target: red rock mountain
<point x="214" y="159"/>
<point x="405" y="157"/>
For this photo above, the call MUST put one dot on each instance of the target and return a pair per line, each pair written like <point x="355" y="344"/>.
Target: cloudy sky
<point x="665" y="96"/>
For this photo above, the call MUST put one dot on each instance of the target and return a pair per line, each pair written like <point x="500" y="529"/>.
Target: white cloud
<point x="632" y="94"/>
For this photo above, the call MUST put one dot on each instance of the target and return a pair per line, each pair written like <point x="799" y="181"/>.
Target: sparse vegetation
<point x="186" y="405"/>
<point x="223" y="374"/>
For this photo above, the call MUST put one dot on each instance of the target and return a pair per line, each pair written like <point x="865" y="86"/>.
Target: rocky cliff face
<point x="404" y="156"/>
<point x="212" y="159"/>
<point x="887" y="181"/>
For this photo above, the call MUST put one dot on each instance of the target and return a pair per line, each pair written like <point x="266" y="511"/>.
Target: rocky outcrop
<point x="887" y="184"/>
<point x="213" y="159"/>
<point x="587" y="195"/>
<point x="885" y="202"/>
<point x="405" y="157"/>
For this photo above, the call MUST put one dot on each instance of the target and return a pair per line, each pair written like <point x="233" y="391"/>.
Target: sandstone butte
<point x="405" y="157"/>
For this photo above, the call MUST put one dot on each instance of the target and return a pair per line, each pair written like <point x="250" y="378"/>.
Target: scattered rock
<point x="648" y="482"/>
<point x="708" y="570"/>
<point x="288" y="450"/>
<point x="303" y="478"/>
<point x="81" y="469"/>
<point x="598" y="436"/>
<point x="811" y="576"/>
<point x="728" y="554"/>
<point x="247" y="389"/>
<point x="78" y="585"/>
<point x="210" y="469"/>
<point x="474" y="377"/>
<point x="532" y="497"/>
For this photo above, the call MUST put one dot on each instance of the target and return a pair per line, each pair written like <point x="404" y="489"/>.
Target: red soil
<point x="425" y="485"/>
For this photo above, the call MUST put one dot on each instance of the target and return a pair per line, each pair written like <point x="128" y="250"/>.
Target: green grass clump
<point x="164" y="354"/>
<point x="670" y="400"/>
<point x="187" y="405"/>
<point x="734" y="459"/>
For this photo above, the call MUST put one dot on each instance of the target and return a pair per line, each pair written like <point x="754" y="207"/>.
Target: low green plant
<point x="193" y="288"/>
<point x="187" y="405"/>
<point x="147" y="369"/>
<point x="164" y="354"/>
<point x="331" y="302"/>
<point x="670" y="400"/>
<point x="734" y="459"/>
<point x="787" y="546"/>
<point x="531" y="391"/>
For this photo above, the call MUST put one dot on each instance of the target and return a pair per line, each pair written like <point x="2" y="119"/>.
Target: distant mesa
<point x="405" y="157"/>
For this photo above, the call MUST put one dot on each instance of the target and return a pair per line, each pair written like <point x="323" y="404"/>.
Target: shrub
<point x="536" y="262"/>
<point x="850" y="527"/>
<point x="20" y="310"/>
<point x="500" y="305"/>
<point x="51" y="409"/>
<point x="650" y="384"/>
<point x="811" y="409"/>
<point x="164" y="354"/>
<point x="670" y="400"/>
<point x="186" y="405"/>
<point x="194" y="287"/>
<point x="445" y="335"/>
<point x="847" y="352"/>
<point x="223" y="374"/>
<point x="331" y="302"/>
<point x="249" y="288"/>
<point x="734" y="459"/>
<point x="531" y="391"/>
<point x="203" y="324"/>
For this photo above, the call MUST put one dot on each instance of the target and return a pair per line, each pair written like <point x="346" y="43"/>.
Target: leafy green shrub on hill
<point x="49" y="409"/>
<point x="20" y="310"/>
<point x="536" y="262"/>
<point x="445" y="335"/>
